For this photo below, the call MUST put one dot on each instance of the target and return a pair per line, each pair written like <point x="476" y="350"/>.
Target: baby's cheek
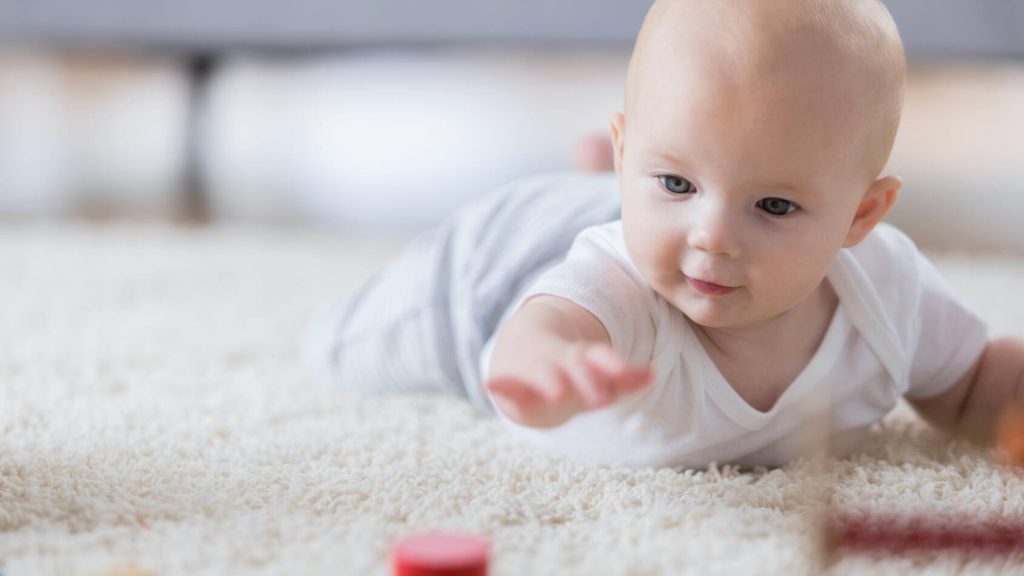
<point x="660" y="250"/>
<point x="645" y="253"/>
<point x="787" y="286"/>
<point x="654" y="240"/>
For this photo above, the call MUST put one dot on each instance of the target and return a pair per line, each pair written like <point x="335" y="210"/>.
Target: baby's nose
<point x="715" y="230"/>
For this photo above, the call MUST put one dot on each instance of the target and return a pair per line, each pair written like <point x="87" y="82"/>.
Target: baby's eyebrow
<point x="668" y="157"/>
<point x="790" y="188"/>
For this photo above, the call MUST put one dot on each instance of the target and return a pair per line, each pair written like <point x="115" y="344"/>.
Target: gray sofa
<point x="930" y="27"/>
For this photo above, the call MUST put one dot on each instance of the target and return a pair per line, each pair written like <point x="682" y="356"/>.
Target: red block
<point x="440" y="554"/>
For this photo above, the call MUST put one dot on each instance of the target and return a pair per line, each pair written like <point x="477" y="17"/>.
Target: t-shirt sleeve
<point x="948" y="335"/>
<point x="597" y="275"/>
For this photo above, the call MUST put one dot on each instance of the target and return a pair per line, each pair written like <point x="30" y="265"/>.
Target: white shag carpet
<point x="154" y="413"/>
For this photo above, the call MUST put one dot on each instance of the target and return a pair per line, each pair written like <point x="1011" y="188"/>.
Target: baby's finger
<point x="590" y="381"/>
<point x="605" y="357"/>
<point x="521" y="394"/>
<point x="554" y="385"/>
<point x="625" y="378"/>
<point x="635" y="378"/>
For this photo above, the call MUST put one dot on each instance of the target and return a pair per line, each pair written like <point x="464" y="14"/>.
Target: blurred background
<point x="382" y="116"/>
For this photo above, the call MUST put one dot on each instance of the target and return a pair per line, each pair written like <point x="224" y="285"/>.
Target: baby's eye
<point x="777" y="206"/>
<point x="676" y="185"/>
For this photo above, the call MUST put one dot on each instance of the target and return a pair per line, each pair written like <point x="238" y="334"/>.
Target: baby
<point x="732" y="284"/>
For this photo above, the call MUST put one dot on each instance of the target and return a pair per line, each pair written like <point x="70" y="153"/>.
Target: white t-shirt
<point x="898" y="330"/>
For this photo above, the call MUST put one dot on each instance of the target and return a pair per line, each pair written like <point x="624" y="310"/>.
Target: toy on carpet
<point x="440" y="554"/>
<point x="897" y="534"/>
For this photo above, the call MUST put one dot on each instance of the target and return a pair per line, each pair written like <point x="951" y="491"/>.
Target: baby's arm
<point x="973" y="405"/>
<point x="552" y="360"/>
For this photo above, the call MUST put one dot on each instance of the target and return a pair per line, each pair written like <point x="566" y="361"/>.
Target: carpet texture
<point x="153" y="412"/>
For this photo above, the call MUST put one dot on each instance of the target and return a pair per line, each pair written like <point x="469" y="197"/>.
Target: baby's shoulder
<point x="598" y="275"/>
<point x="888" y="257"/>
<point x="606" y="244"/>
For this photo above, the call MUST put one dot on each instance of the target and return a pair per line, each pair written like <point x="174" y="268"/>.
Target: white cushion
<point x="396" y="140"/>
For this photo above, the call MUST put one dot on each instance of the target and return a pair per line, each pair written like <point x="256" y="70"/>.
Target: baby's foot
<point x="593" y="153"/>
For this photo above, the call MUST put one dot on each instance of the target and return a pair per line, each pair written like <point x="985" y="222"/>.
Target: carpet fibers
<point x="154" y="413"/>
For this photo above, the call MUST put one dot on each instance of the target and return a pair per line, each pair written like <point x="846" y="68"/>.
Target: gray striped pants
<point x="420" y="323"/>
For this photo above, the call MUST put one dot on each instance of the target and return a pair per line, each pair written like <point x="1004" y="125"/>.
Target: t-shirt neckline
<point x="726" y="397"/>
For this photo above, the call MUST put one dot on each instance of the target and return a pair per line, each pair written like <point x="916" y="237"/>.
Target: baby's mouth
<point x="709" y="288"/>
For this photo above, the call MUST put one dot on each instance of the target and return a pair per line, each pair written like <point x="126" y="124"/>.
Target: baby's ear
<point x="617" y="125"/>
<point x="876" y="203"/>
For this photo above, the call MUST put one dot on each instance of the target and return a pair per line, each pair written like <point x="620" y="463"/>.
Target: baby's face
<point x="753" y="189"/>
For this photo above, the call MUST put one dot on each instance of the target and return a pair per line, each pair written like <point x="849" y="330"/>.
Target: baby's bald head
<point x="843" y="55"/>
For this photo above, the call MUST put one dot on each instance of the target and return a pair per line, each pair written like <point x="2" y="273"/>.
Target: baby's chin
<point x="707" y="319"/>
<point x="712" y="311"/>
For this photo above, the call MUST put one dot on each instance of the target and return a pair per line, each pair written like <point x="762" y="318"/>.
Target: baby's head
<point x="750" y="148"/>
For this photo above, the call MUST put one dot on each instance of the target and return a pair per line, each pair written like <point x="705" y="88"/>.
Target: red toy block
<point x="439" y="554"/>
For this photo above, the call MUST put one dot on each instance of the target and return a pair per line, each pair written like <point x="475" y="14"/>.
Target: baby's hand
<point x="590" y="377"/>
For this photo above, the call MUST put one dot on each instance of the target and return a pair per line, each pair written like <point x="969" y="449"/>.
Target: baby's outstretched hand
<point x="591" y="376"/>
